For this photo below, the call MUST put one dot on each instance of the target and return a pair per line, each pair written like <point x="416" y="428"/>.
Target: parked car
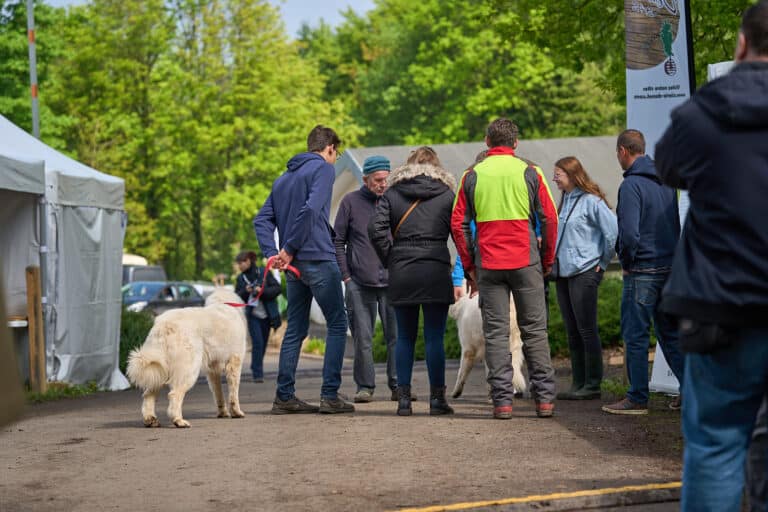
<point x="160" y="296"/>
<point x="133" y="273"/>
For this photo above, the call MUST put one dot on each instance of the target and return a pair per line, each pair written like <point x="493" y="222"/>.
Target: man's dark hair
<point x="633" y="141"/>
<point x="501" y="132"/>
<point x="321" y="137"/>
<point x="754" y="26"/>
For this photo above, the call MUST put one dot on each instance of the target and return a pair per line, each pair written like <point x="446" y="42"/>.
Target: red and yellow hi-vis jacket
<point x="504" y="194"/>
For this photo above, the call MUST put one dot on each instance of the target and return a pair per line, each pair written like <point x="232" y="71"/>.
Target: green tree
<point x="15" y="97"/>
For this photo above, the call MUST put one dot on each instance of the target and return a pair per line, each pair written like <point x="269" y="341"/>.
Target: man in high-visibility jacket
<point x="503" y="194"/>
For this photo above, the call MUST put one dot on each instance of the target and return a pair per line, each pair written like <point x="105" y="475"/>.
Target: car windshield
<point x="141" y="290"/>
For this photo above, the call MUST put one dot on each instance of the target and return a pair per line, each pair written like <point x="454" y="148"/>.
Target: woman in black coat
<point x="262" y="314"/>
<point x="410" y="232"/>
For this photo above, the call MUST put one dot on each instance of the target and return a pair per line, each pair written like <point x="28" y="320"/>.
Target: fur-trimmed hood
<point x="421" y="173"/>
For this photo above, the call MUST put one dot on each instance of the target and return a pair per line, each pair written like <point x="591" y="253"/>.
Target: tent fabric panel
<point x="21" y="175"/>
<point x="19" y="246"/>
<point x="71" y="190"/>
<point x="88" y="298"/>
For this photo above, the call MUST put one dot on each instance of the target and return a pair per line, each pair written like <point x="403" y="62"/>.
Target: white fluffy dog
<point x="469" y="323"/>
<point x="180" y="344"/>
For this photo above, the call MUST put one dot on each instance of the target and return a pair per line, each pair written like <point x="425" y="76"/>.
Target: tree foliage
<point x="198" y="104"/>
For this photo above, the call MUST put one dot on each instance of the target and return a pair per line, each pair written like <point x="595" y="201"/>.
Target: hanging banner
<point x="659" y="64"/>
<point x="660" y="76"/>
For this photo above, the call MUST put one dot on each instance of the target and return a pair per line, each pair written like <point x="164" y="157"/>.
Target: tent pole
<point x="47" y="334"/>
<point x="33" y="67"/>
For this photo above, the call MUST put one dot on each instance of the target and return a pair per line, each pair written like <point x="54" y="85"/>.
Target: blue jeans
<point x="258" y="328"/>
<point x="321" y="280"/>
<point x="722" y="393"/>
<point x="639" y="306"/>
<point x="435" y="317"/>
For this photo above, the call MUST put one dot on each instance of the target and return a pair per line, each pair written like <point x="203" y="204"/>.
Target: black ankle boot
<point x="437" y="402"/>
<point x="404" y="401"/>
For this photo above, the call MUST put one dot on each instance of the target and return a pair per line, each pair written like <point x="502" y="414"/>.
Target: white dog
<point x="180" y="344"/>
<point x="469" y="322"/>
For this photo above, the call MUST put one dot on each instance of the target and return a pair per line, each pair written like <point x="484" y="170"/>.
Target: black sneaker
<point x="335" y="405"/>
<point x="293" y="406"/>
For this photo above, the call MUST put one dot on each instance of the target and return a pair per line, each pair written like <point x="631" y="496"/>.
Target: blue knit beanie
<point x="375" y="163"/>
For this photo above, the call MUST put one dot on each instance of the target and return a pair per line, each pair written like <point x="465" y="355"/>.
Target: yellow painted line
<point x="541" y="497"/>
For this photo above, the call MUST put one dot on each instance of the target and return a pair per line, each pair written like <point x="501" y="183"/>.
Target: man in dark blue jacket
<point x="648" y="231"/>
<point x="365" y="277"/>
<point x="717" y="149"/>
<point x="299" y="206"/>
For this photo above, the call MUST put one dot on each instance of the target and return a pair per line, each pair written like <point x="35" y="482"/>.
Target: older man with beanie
<point x="715" y="148"/>
<point x="365" y="278"/>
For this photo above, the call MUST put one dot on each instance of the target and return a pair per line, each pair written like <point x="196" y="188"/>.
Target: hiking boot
<point x="364" y="396"/>
<point x="545" y="409"/>
<point x="437" y="403"/>
<point x="627" y="407"/>
<point x="335" y="405"/>
<point x="404" y="401"/>
<point x="676" y="403"/>
<point x="395" y="397"/>
<point x="502" y="412"/>
<point x="293" y="406"/>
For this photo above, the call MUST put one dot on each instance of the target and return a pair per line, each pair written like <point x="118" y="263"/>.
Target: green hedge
<point x="608" y="319"/>
<point x="134" y="328"/>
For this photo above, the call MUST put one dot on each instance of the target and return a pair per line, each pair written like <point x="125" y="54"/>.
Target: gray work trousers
<point x="363" y="304"/>
<point x="527" y="288"/>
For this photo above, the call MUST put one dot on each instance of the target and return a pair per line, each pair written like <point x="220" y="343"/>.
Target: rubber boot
<point x="593" y="378"/>
<point x="437" y="403"/>
<point x="404" y="401"/>
<point x="577" y="376"/>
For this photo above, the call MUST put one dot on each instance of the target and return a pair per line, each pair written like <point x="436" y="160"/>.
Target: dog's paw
<point x="180" y="423"/>
<point x="457" y="393"/>
<point x="152" y="422"/>
<point x="237" y="413"/>
<point x="223" y="414"/>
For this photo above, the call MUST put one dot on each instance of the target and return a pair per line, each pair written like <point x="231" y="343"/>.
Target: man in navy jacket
<point x="648" y="231"/>
<point x="717" y="148"/>
<point x="299" y="206"/>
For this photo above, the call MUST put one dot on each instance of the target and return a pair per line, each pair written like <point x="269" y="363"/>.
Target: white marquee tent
<point x="81" y="242"/>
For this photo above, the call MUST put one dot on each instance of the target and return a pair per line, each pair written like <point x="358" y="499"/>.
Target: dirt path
<point x="93" y="454"/>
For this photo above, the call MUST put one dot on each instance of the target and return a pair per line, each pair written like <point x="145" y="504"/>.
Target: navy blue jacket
<point x="354" y="252"/>
<point x="648" y="221"/>
<point x="299" y="206"/>
<point x="717" y="148"/>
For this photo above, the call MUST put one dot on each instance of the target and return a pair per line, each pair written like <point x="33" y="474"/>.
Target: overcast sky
<point x="295" y="12"/>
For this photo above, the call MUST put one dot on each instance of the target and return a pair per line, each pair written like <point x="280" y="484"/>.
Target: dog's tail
<point x="147" y="367"/>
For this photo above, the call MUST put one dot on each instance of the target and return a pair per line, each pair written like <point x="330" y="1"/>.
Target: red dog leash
<point x="270" y="263"/>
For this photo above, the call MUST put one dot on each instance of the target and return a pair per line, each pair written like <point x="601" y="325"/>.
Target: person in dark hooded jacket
<point x="716" y="147"/>
<point x="409" y="232"/>
<point x="262" y="313"/>
<point x="648" y="230"/>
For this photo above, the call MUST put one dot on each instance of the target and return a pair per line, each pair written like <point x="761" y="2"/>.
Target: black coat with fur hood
<point x="418" y="260"/>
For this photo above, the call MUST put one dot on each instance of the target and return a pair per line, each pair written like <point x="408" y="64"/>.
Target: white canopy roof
<point x="69" y="182"/>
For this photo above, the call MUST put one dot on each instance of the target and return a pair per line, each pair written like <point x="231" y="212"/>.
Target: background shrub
<point x="452" y="345"/>
<point x="134" y="328"/>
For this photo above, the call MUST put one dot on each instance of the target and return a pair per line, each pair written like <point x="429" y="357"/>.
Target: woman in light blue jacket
<point x="586" y="236"/>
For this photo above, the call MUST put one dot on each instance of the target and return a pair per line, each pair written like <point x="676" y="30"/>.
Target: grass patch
<point x="134" y="328"/>
<point x="617" y="387"/>
<point x="59" y="390"/>
<point x="314" y="346"/>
